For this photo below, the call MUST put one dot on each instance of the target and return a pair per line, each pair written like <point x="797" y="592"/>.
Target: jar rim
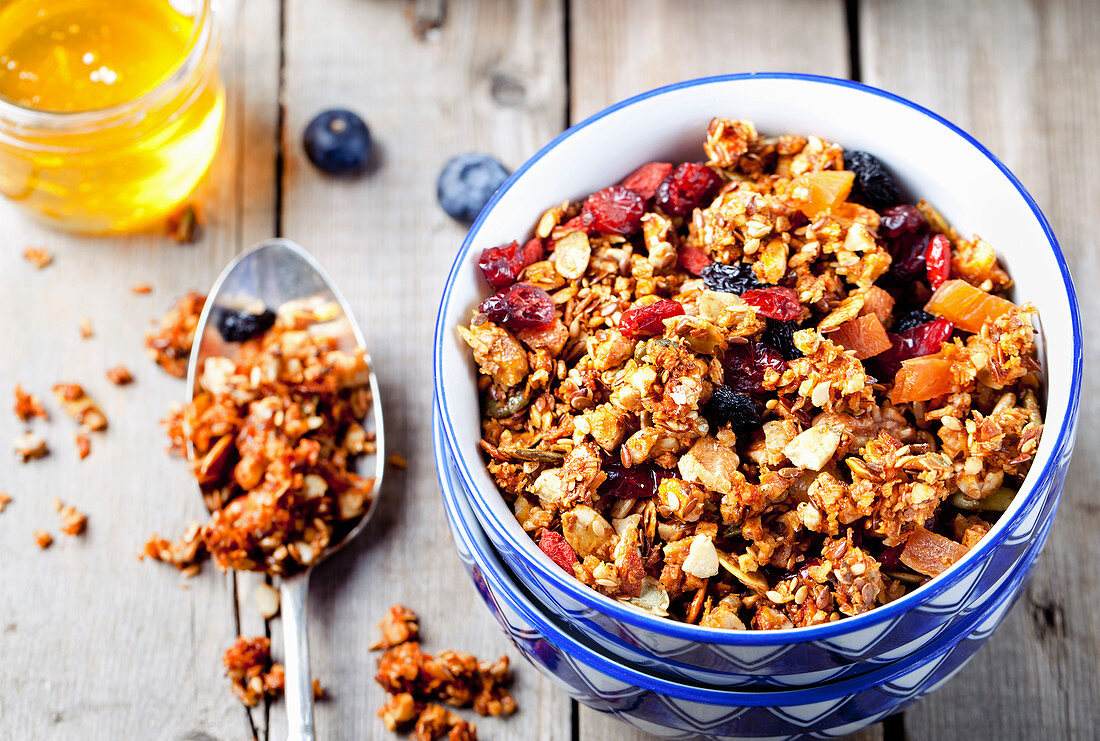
<point x="203" y="36"/>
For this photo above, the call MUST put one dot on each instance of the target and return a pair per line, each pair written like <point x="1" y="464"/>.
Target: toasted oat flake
<point x="141" y="288"/>
<point x="40" y="257"/>
<point x="29" y="446"/>
<point x="77" y="404"/>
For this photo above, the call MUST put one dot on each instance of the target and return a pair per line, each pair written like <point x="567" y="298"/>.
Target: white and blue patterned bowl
<point x="932" y="158"/>
<point x="684" y="710"/>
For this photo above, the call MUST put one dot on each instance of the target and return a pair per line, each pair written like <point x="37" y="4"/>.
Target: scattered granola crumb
<point x="185" y="225"/>
<point x="86" y="329"/>
<point x="186" y="554"/>
<point x="267" y="600"/>
<point x="28" y="405"/>
<point x="73" y="521"/>
<point x="398" y="461"/>
<point x="29" y="446"/>
<point x="318" y="690"/>
<point x="248" y="666"/>
<point x="141" y="288"/>
<point x="5" y="500"/>
<point x="399" y="626"/>
<point x="40" y="257"/>
<point x="120" y="375"/>
<point x="170" y="344"/>
<point x="43" y="539"/>
<point x="81" y="407"/>
<point x="83" y="445"/>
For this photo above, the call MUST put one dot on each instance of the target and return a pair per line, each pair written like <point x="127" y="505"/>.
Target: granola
<point x="120" y="375"/>
<point x="39" y="257"/>
<point x="28" y="406"/>
<point x="170" y="344"/>
<point x="753" y="394"/>
<point x="250" y="670"/>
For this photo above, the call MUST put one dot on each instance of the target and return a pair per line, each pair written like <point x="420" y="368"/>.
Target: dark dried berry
<point x="502" y="265"/>
<point x="901" y="219"/>
<point x="649" y="320"/>
<point x="554" y="545"/>
<point x="780" y="336"/>
<point x="637" y="482"/>
<point x="911" y="319"/>
<point x="614" y="210"/>
<point x="726" y="406"/>
<point x="924" y="339"/>
<point x="736" y="278"/>
<point x="645" y="179"/>
<point x="874" y="186"/>
<point x="693" y="260"/>
<point x="686" y="188"/>
<point x="238" y="326"/>
<point x="774" y="302"/>
<point x="520" y="306"/>
<point x="745" y="365"/>
<point x="937" y="261"/>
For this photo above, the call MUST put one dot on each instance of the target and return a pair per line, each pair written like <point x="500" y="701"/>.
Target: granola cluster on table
<point x="274" y="436"/>
<point x="757" y="392"/>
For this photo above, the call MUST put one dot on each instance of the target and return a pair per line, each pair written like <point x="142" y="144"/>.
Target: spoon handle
<point x="294" y="599"/>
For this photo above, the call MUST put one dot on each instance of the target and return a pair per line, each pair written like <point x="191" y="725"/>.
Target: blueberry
<point x="779" y="335"/>
<point x="914" y="318"/>
<point x="726" y="406"/>
<point x="736" y="278"/>
<point x="874" y="186"/>
<point x="466" y="184"/>
<point x="338" y="142"/>
<point x="238" y="326"/>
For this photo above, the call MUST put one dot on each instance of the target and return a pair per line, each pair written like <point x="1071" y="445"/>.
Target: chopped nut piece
<point x="249" y="668"/>
<point x="43" y="539"/>
<point x="86" y="329"/>
<point x="170" y="345"/>
<point x="29" y="446"/>
<point x="120" y="375"/>
<point x="40" y="257"/>
<point x="399" y="626"/>
<point x="186" y="554"/>
<point x="267" y="600"/>
<point x="81" y="407"/>
<point x="73" y="521"/>
<point x="27" y="405"/>
<point x="83" y="445"/>
<point x="813" y="448"/>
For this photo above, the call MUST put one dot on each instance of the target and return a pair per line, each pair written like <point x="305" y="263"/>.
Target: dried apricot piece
<point x="827" y="188"/>
<point x="865" y="335"/>
<point x="930" y="553"/>
<point x="966" y="306"/>
<point x="921" y="379"/>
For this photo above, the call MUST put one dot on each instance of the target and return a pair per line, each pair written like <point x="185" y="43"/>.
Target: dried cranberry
<point x="774" y="302"/>
<point x="726" y="406"/>
<point x="637" y="482"/>
<point x="502" y="265"/>
<point x="554" y="545"/>
<point x="902" y="219"/>
<point x="614" y="210"/>
<point x="937" y="260"/>
<point x="686" y="188"/>
<point x="649" y="320"/>
<point x="924" y="339"/>
<point x="745" y="365"/>
<point x="890" y="557"/>
<point x="780" y="335"/>
<point x="693" y="260"/>
<point x="736" y="278"/>
<point x="520" y="306"/>
<point x="645" y="179"/>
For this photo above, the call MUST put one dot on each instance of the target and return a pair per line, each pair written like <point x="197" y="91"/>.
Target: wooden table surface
<point x="97" y="645"/>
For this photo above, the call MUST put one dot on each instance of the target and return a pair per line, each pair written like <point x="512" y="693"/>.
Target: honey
<point x="110" y="110"/>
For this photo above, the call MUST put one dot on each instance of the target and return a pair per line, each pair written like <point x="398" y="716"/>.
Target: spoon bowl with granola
<point x="730" y="378"/>
<point x="283" y="431"/>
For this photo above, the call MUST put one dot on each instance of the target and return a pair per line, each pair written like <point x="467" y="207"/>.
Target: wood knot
<point x="1048" y="616"/>
<point x="507" y="91"/>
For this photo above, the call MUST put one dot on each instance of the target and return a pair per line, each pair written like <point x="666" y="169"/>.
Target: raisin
<point x="745" y="366"/>
<point x="554" y="545"/>
<point x="693" y="260"/>
<point x="645" y="179"/>
<point x="502" y="265"/>
<point x="780" y="336"/>
<point x="686" y="188"/>
<point x="520" y="306"/>
<point x="775" y="302"/>
<point x="902" y="219"/>
<point x="726" y="406"/>
<point x="614" y="210"/>
<point x="636" y="482"/>
<point x="911" y="319"/>
<point x="874" y="186"/>
<point x="924" y="339"/>
<point x="736" y="278"/>
<point x="937" y="259"/>
<point x="238" y="326"/>
<point x="649" y="320"/>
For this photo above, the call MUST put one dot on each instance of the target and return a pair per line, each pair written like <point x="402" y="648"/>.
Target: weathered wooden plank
<point x="620" y="48"/>
<point x="486" y="76"/>
<point x="95" y="644"/>
<point x="1021" y="76"/>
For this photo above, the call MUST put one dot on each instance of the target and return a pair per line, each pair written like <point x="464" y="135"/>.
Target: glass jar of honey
<point x="110" y="110"/>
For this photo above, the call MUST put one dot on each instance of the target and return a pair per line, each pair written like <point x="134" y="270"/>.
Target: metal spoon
<point x="269" y="275"/>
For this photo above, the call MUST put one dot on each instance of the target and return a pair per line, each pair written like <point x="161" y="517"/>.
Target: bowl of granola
<point x="729" y="379"/>
<point x="680" y="709"/>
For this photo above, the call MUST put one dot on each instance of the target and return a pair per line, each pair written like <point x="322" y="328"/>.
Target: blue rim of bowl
<point x="672" y="628"/>
<point x="526" y="605"/>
